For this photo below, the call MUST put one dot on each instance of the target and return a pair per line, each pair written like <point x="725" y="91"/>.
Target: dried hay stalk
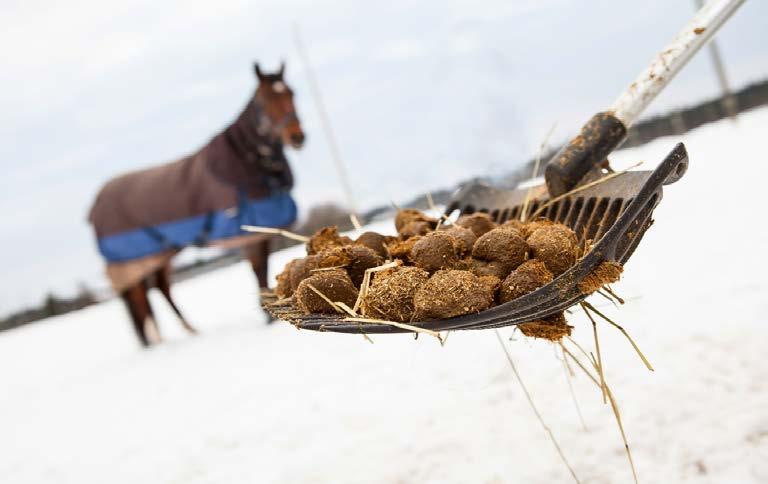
<point x="614" y="405"/>
<point x="576" y="360"/>
<point x="355" y="221"/>
<point x="568" y="375"/>
<point x="586" y="305"/>
<point x="597" y="349"/>
<point x="339" y="307"/>
<point x="326" y="299"/>
<point x="322" y="269"/>
<point x="533" y="406"/>
<point x="346" y="309"/>
<point x="608" y="297"/>
<point x="272" y="230"/>
<point x="610" y="291"/>
<point x="441" y="216"/>
<point x="367" y="280"/>
<point x="524" y="210"/>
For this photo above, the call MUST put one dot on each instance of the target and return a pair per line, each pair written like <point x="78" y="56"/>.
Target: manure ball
<point x="531" y="275"/>
<point x="503" y="246"/>
<point x="552" y="328"/>
<point x="390" y="295"/>
<point x="374" y="241"/>
<point x="515" y="224"/>
<point x="478" y="222"/>
<point x="435" y="251"/>
<point x="451" y="293"/>
<point x="326" y="238"/>
<point x="333" y="284"/>
<point x="283" y="288"/>
<point x="466" y="238"/>
<point x="401" y="249"/>
<point x="481" y="268"/>
<point x="302" y="268"/>
<point x="555" y="246"/>
<point x="360" y="259"/>
<point x="414" y="228"/>
<point x="408" y="215"/>
<point x="493" y="283"/>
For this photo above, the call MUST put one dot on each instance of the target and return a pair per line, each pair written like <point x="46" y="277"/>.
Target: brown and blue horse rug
<point x="241" y="177"/>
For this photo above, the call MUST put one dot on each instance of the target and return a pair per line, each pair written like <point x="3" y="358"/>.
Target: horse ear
<point x="257" y="70"/>
<point x="282" y="69"/>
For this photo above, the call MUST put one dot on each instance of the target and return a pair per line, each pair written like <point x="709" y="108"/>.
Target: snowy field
<point x="247" y="402"/>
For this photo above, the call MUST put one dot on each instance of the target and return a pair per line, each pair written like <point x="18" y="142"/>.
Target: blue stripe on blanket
<point x="275" y="211"/>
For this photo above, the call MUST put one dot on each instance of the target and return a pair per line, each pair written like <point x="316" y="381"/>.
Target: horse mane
<point x="244" y="153"/>
<point x="249" y="136"/>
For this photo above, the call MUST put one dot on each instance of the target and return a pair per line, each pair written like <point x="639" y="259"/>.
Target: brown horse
<point x="144" y="218"/>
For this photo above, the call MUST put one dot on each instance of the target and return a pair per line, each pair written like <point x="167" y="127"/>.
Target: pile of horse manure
<point x="451" y="293"/>
<point x="436" y="271"/>
<point x="552" y="328"/>
<point x="390" y="296"/>
<point x="334" y="284"/>
<point x="479" y="223"/>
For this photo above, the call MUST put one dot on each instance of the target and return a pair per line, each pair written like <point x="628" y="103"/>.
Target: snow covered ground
<point x="246" y="402"/>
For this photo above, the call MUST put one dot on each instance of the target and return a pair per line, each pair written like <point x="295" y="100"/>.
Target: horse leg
<point x="136" y="300"/>
<point x="150" y="324"/>
<point x="258" y="255"/>
<point x="163" y="278"/>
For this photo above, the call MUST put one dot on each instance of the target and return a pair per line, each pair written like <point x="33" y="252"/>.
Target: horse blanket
<point x="142" y="218"/>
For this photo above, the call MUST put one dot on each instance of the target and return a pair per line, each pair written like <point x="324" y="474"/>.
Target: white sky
<point x="421" y="95"/>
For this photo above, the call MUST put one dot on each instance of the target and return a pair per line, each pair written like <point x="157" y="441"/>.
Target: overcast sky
<point x="421" y="94"/>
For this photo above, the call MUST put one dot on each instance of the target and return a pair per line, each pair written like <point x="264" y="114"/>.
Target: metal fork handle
<point x="604" y="132"/>
<point x="633" y="101"/>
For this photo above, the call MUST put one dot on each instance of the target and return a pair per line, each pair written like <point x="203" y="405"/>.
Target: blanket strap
<point x="162" y="239"/>
<point x="202" y="239"/>
<point x="242" y="207"/>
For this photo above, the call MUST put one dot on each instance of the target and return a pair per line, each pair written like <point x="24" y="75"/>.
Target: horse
<point x="144" y="218"/>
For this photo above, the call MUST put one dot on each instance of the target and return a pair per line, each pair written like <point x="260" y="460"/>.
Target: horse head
<point x="276" y="99"/>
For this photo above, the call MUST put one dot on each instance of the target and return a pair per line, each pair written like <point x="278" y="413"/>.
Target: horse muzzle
<point x="297" y="140"/>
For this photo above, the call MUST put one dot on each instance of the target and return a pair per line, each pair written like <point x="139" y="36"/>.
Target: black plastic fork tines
<point x="617" y="211"/>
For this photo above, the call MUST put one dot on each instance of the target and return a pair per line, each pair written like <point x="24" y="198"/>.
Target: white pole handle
<point x="671" y="59"/>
